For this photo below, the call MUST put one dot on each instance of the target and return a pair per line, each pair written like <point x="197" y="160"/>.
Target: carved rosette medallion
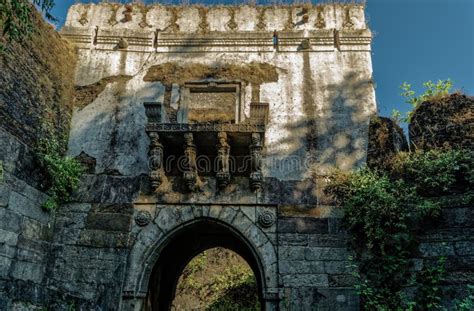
<point x="190" y="174"/>
<point x="256" y="177"/>
<point x="157" y="174"/>
<point x="266" y="219"/>
<point x="143" y="218"/>
<point x="223" y="154"/>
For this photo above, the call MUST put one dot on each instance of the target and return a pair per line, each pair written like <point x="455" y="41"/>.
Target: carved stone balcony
<point x="194" y="150"/>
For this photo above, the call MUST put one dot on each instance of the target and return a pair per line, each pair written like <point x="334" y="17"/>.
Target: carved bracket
<point x="256" y="177"/>
<point x="190" y="173"/>
<point x="157" y="174"/>
<point x="223" y="153"/>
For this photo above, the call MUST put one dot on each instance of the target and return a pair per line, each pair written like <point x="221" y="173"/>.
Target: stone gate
<point x="217" y="123"/>
<point x="203" y="127"/>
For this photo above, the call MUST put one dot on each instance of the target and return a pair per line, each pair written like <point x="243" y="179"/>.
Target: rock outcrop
<point x="444" y="122"/>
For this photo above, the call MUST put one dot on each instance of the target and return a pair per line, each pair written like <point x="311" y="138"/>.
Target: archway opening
<point x="217" y="279"/>
<point x="190" y="241"/>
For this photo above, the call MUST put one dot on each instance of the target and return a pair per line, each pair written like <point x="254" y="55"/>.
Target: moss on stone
<point x="170" y="73"/>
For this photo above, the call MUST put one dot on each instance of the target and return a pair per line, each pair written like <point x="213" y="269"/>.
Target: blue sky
<point x="415" y="41"/>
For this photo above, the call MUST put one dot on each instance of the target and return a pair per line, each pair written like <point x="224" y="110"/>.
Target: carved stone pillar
<point x="256" y="177"/>
<point x="157" y="174"/>
<point x="190" y="168"/>
<point x="223" y="154"/>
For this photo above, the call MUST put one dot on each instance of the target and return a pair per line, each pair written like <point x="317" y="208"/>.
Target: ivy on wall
<point x="384" y="211"/>
<point x="62" y="172"/>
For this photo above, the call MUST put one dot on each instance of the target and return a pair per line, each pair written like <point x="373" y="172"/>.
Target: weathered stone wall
<point x="314" y="265"/>
<point x="25" y="229"/>
<point x="320" y="102"/>
<point x="451" y="237"/>
<point x="36" y="84"/>
<point x="36" y="78"/>
<point x="89" y="253"/>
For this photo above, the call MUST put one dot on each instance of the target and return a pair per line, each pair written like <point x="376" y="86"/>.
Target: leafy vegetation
<point x="15" y="18"/>
<point x="217" y="279"/>
<point x="432" y="91"/>
<point x="62" y="172"/>
<point x="384" y="210"/>
<point x="467" y="304"/>
<point x="435" y="172"/>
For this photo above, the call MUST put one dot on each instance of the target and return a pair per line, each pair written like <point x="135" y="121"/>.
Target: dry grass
<point x="37" y="83"/>
<point x="84" y="95"/>
<point x="252" y="3"/>
<point x="170" y="73"/>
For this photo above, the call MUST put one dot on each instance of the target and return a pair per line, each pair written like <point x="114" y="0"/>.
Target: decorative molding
<point x="143" y="218"/>
<point x="347" y="24"/>
<point x="320" y="22"/>
<point x="83" y="19"/>
<point x="261" y="18"/>
<point x="232" y="24"/>
<point x="144" y="10"/>
<point x="205" y="127"/>
<point x="168" y="42"/>
<point x="289" y="25"/>
<point x="259" y="112"/>
<point x="154" y="112"/>
<point x="127" y="14"/>
<point x="113" y="18"/>
<point x="173" y="27"/>
<point x="203" y="24"/>
<point x="256" y="177"/>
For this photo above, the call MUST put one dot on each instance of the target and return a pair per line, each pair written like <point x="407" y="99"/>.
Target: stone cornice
<point x="204" y="127"/>
<point x="147" y="41"/>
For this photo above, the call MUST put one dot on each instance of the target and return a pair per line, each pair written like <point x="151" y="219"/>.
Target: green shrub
<point x="433" y="91"/>
<point x="435" y="172"/>
<point x="383" y="211"/>
<point x="381" y="214"/>
<point x="15" y="17"/>
<point x="217" y="279"/>
<point x="62" y="172"/>
<point x="467" y="304"/>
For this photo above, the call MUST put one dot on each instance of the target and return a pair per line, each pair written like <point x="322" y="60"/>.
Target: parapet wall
<point x="202" y="19"/>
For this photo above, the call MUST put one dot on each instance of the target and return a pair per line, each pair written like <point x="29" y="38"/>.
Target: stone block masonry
<point x="314" y="266"/>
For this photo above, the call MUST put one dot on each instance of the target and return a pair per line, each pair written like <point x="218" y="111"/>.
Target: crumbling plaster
<point x="325" y="127"/>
